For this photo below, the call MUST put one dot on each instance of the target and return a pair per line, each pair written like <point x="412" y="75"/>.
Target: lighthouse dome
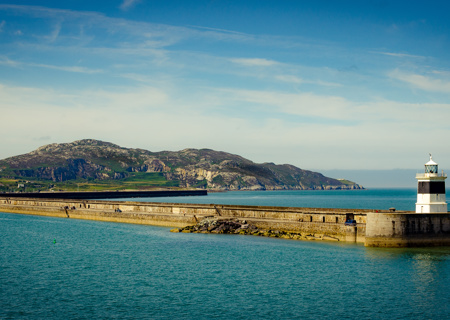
<point x="431" y="162"/>
<point x="431" y="166"/>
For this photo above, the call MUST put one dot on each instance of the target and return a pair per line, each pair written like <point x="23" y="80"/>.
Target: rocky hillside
<point x="93" y="160"/>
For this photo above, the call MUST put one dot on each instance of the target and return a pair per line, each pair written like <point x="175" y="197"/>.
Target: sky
<point x="323" y="85"/>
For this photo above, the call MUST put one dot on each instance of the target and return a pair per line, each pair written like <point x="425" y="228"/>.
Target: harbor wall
<point x="318" y="223"/>
<point x="407" y="229"/>
<point x="106" y="194"/>
<point x="374" y="229"/>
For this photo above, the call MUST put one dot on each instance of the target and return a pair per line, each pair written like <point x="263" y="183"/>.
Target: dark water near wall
<point x="381" y="199"/>
<point x="102" y="270"/>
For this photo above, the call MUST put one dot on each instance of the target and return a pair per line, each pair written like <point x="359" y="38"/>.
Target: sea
<point x="59" y="268"/>
<point x="377" y="198"/>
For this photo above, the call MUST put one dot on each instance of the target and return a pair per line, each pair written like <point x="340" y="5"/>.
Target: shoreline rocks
<point x="242" y="227"/>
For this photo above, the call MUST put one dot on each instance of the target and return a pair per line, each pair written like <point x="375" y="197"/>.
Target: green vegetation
<point x="136" y="181"/>
<point x="241" y="182"/>
<point x="218" y="179"/>
<point x="346" y="182"/>
<point x="201" y="184"/>
<point x="143" y="179"/>
<point x="21" y="185"/>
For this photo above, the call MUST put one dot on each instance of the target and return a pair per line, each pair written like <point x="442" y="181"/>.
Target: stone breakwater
<point x="106" y="194"/>
<point x="373" y="228"/>
<point x="315" y="222"/>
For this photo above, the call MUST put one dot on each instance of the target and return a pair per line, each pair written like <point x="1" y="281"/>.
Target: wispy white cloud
<point x="2" y="25"/>
<point x="15" y="64"/>
<point x="299" y="104"/>
<point x="137" y="77"/>
<point x="101" y="27"/>
<point x="68" y="68"/>
<point x="220" y="30"/>
<point x="399" y="55"/>
<point x="117" y="103"/>
<point x="341" y="111"/>
<point x="8" y="62"/>
<point x="54" y="34"/>
<point x="441" y="72"/>
<point x="128" y="4"/>
<point x="290" y="79"/>
<point x="139" y="34"/>
<point x="254" y="62"/>
<point x="422" y="82"/>
<point x="297" y="80"/>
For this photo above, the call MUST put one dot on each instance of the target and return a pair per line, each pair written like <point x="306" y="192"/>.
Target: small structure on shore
<point x="431" y="189"/>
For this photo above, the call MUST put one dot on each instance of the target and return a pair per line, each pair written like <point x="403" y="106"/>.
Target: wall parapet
<point x="407" y="230"/>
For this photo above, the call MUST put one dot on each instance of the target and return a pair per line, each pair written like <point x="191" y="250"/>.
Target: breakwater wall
<point x="317" y="223"/>
<point x="407" y="229"/>
<point x="106" y="194"/>
<point x="373" y="228"/>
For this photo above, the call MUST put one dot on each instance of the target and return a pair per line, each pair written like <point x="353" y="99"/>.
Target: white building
<point x="431" y="190"/>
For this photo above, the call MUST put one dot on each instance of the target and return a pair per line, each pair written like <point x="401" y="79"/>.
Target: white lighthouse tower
<point x="431" y="190"/>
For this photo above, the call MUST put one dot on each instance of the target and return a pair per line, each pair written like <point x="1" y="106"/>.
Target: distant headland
<point x="93" y="165"/>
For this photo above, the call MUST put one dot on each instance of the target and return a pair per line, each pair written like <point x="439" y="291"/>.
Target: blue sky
<point x="321" y="85"/>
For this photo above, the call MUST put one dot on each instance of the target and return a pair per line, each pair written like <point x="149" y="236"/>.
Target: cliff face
<point x="97" y="160"/>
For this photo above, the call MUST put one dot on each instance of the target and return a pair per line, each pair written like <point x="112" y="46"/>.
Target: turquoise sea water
<point x="56" y="268"/>
<point x="381" y="199"/>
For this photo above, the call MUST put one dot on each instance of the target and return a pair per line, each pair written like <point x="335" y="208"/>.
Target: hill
<point x="95" y="164"/>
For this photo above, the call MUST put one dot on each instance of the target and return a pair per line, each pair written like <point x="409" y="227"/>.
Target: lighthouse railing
<point x="429" y="175"/>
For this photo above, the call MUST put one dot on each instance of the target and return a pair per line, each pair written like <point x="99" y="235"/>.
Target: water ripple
<point x="118" y="271"/>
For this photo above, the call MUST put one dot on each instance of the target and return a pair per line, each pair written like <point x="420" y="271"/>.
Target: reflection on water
<point x="427" y="254"/>
<point x="426" y="268"/>
<point x="422" y="272"/>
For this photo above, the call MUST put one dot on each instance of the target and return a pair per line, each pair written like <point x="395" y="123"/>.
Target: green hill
<point x="92" y="164"/>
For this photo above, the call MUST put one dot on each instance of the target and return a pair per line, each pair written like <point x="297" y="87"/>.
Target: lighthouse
<point x="431" y="190"/>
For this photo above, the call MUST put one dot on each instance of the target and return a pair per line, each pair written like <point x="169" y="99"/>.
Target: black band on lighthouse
<point x="431" y="187"/>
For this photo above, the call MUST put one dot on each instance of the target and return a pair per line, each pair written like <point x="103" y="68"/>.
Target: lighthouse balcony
<point x="430" y="175"/>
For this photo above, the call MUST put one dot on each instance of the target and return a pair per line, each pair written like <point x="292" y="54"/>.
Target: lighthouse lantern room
<point x="431" y="190"/>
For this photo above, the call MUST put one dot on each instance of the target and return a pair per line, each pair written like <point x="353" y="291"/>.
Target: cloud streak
<point x="16" y="64"/>
<point x="8" y="62"/>
<point x="68" y="69"/>
<point x="422" y="82"/>
<point x="128" y="4"/>
<point x="254" y="62"/>
<point x="400" y="55"/>
<point x="297" y="80"/>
